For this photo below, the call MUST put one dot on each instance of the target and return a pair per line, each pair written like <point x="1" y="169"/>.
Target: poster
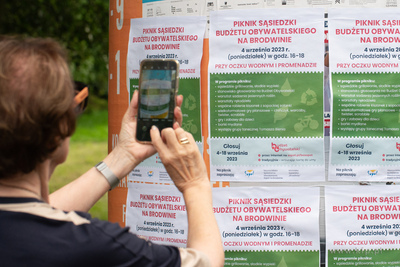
<point x="263" y="226"/>
<point x="179" y="38"/>
<point x="364" y="65"/>
<point x="362" y="225"/>
<point x="266" y="95"/>
<point x="157" y="213"/>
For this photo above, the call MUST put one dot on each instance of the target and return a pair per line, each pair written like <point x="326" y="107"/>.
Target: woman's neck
<point x="10" y="190"/>
<point x="34" y="184"/>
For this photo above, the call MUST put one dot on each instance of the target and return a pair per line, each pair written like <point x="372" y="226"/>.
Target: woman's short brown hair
<point x="36" y="102"/>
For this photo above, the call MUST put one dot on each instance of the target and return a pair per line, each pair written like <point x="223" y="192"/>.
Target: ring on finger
<point x="184" y="141"/>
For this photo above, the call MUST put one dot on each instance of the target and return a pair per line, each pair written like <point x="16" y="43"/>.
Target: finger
<point x="179" y="100"/>
<point x="178" y="116"/>
<point x="156" y="139"/>
<point x="177" y="111"/>
<point x="134" y="103"/>
<point x="131" y="111"/>
<point x="180" y="133"/>
<point x="168" y="136"/>
<point x="184" y="138"/>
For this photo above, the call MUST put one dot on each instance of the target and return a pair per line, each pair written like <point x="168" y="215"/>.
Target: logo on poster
<point x="398" y="146"/>
<point x="283" y="147"/>
<point x="150" y="173"/>
<point x="372" y="172"/>
<point x="249" y="172"/>
<point x="276" y="147"/>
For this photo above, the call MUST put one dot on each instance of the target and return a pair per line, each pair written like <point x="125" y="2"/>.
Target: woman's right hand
<point x="185" y="165"/>
<point x="181" y="157"/>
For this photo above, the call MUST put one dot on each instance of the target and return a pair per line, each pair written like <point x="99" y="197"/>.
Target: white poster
<point x="181" y="39"/>
<point x="268" y="224"/>
<point x="362" y="225"/>
<point x="157" y="213"/>
<point x="266" y="95"/>
<point x="365" y="123"/>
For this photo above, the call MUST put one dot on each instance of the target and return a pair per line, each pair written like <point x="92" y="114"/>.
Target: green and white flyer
<point x="266" y="95"/>
<point x="365" y="123"/>
<point x="179" y="38"/>
<point x="266" y="226"/>
<point x="362" y="225"/>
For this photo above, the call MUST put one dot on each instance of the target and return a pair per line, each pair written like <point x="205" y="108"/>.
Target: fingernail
<point x="154" y="127"/>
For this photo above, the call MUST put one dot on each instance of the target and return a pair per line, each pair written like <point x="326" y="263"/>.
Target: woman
<point x="36" y="122"/>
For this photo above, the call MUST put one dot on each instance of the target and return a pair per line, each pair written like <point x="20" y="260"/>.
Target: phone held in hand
<point x="158" y="86"/>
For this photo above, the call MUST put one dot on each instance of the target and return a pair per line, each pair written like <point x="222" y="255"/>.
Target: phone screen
<point x="157" y="90"/>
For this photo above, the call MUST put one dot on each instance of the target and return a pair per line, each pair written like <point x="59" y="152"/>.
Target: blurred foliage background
<point x="82" y="27"/>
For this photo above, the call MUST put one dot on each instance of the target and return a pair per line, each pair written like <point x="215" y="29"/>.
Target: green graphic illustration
<point x="286" y="89"/>
<point x="280" y="114"/>
<point x="282" y="263"/>
<point x="307" y="121"/>
<point x="266" y="105"/>
<point x="309" y="97"/>
<point x="190" y="102"/>
<point x="190" y="89"/>
<point x="189" y="126"/>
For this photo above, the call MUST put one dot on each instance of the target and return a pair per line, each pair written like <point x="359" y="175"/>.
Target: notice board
<point x="295" y="106"/>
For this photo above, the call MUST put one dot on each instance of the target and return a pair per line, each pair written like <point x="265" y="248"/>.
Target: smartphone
<point x="158" y="86"/>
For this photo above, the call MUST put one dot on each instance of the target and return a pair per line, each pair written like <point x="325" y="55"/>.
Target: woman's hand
<point x="185" y="165"/>
<point x="181" y="157"/>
